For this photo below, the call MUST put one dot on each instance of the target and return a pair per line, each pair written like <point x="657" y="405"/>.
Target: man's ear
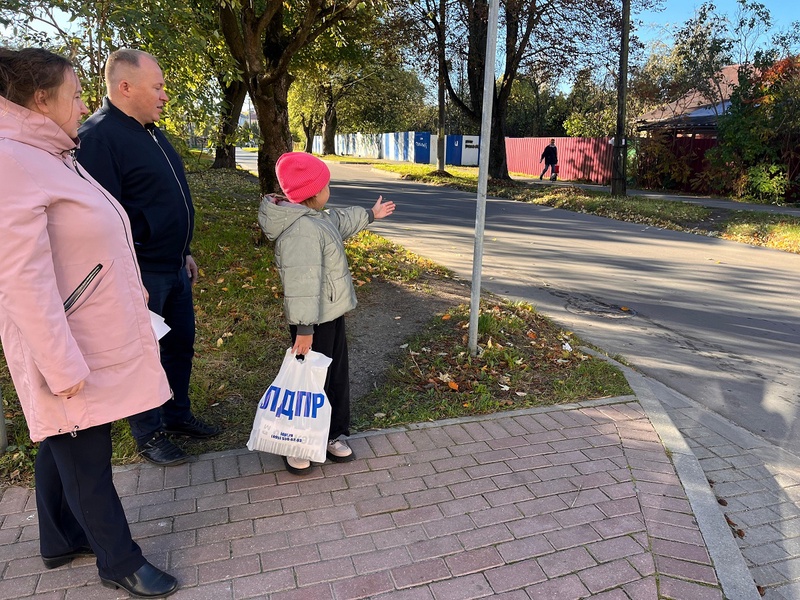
<point x="124" y="87"/>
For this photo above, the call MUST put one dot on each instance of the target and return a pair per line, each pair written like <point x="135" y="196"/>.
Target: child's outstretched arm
<point x="382" y="209"/>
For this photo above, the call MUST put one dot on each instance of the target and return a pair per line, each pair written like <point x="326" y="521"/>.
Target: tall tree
<point x="263" y="38"/>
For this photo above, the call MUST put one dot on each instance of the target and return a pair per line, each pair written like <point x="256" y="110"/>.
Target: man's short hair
<point x="123" y="56"/>
<point x="552" y="140"/>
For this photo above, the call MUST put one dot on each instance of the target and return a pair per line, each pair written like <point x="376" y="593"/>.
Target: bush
<point x="766" y="183"/>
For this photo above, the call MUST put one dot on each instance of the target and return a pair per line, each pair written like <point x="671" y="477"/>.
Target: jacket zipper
<point x="180" y="187"/>
<point x="78" y="292"/>
<point x="113" y="204"/>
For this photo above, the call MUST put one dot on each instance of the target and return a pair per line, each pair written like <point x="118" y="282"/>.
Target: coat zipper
<point x="180" y="187"/>
<point x="78" y="292"/>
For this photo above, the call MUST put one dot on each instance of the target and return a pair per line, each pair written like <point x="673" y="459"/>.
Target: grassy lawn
<point x="780" y="232"/>
<point x="242" y="336"/>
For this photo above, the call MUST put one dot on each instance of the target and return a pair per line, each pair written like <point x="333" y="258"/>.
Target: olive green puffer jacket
<point x="309" y="252"/>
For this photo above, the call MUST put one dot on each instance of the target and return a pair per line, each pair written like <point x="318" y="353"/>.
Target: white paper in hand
<point x="159" y="326"/>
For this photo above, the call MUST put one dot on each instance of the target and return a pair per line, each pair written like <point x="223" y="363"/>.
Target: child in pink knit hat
<point x="317" y="285"/>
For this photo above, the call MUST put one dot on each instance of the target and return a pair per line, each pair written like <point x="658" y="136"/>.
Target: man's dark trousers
<point x="170" y="297"/>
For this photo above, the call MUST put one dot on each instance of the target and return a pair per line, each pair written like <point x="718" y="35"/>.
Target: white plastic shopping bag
<point x="294" y="415"/>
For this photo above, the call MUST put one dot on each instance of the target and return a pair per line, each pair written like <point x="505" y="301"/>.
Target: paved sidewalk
<point x="552" y="504"/>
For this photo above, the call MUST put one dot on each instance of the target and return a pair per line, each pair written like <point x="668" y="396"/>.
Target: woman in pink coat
<point x="74" y="322"/>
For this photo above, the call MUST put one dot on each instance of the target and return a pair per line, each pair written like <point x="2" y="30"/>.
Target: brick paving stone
<point x="643" y="589"/>
<point x="255" y="586"/>
<point x="402" y="486"/>
<point x="315" y="535"/>
<point x="415" y="593"/>
<point x="514" y="576"/>
<point x="413" y="516"/>
<point x="378" y="560"/>
<point x="473" y="561"/>
<point x="428" y="497"/>
<point x="232" y="568"/>
<point x="565" y="561"/>
<point x="420" y="573"/>
<point x="512" y="495"/>
<point x="354" y="545"/>
<point x="529" y="547"/>
<point x="608" y="575"/>
<point x="437" y="548"/>
<point x="467" y="587"/>
<point x="570" y="537"/>
<point x="449" y="526"/>
<point x="496" y="515"/>
<point x="472" y="488"/>
<point x="331" y="570"/>
<point x="463" y="505"/>
<point x="614" y="548"/>
<point x="321" y="591"/>
<point x="624" y="525"/>
<point x="676" y="589"/>
<point x="485" y="536"/>
<point x="561" y="588"/>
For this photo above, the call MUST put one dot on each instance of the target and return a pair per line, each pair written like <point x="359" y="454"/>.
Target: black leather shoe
<point x="53" y="562"/>
<point x="147" y="582"/>
<point x="161" y="451"/>
<point x="193" y="428"/>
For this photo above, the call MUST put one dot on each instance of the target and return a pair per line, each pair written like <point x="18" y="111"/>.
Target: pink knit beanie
<point x="301" y="175"/>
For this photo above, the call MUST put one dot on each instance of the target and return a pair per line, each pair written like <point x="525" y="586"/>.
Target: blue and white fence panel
<point x="407" y="146"/>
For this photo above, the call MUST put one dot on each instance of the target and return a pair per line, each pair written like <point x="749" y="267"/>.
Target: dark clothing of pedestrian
<point x="550" y="158"/>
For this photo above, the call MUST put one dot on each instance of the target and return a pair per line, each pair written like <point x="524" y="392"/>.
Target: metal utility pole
<point x="619" y="178"/>
<point x="440" y="150"/>
<point x="483" y="174"/>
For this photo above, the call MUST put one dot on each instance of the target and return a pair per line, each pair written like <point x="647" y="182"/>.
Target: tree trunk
<point x="270" y="102"/>
<point x="329" y="123"/>
<point x="234" y="95"/>
<point x="309" y="129"/>
<point x="498" y="165"/>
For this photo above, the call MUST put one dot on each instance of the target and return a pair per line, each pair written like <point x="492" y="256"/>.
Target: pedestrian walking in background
<point x="550" y="158"/>
<point x="124" y="150"/>
<point x="317" y="284"/>
<point x="74" y="322"/>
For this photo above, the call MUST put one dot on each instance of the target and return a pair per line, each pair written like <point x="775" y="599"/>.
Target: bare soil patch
<point x="388" y="314"/>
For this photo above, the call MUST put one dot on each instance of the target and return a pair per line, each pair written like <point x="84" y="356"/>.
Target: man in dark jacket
<point x="131" y="158"/>
<point x="550" y="158"/>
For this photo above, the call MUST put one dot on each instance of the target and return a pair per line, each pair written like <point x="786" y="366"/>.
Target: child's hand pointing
<point x="382" y="209"/>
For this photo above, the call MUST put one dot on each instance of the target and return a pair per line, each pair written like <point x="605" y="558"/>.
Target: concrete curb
<point x="732" y="570"/>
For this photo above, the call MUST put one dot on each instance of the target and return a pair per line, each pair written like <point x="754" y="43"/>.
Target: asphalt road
<point x="717" y="321"/>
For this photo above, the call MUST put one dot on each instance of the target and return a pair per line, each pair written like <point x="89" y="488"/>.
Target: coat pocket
<point x="105" y="322"/>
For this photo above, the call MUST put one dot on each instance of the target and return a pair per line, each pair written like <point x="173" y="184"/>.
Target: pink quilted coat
<point x="56" y="226"/>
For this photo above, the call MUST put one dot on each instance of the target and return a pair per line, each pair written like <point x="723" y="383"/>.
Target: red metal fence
<point x="579" y="159"/>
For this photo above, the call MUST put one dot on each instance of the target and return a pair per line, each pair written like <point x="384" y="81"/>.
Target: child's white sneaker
<point x="297" y="466"/>
<point x="339" y="451"/>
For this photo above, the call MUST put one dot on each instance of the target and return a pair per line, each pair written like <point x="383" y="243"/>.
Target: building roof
<point x="694" y="110"/>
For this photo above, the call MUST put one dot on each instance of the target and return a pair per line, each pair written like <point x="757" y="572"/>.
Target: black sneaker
<point x="160" y="450"/>
<point x="193" y="428"/>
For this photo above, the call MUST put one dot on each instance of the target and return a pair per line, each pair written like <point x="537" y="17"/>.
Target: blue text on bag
<point x="292" y="403"/>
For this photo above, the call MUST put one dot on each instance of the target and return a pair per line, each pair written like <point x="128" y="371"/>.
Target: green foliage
<point x="657" y="164"/>
<point x="766" y="183"/>
<point x="760" y="134"/>
<point x="535" y="109"/>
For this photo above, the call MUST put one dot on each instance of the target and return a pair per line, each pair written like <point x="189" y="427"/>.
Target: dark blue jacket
<point x="142" y="170"/>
